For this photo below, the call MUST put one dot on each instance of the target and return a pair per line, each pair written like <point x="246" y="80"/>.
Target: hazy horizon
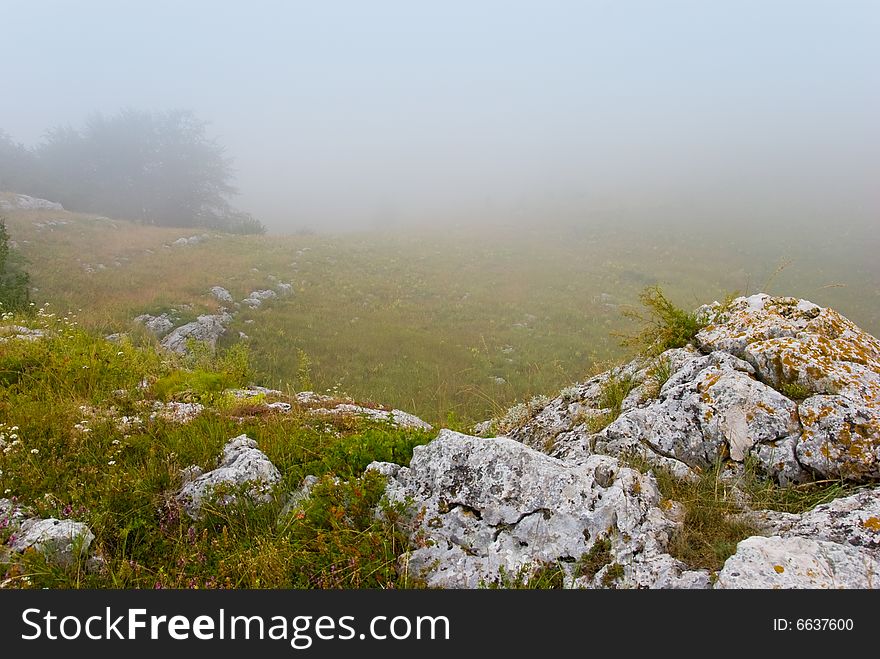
<point x="355" y="115"/>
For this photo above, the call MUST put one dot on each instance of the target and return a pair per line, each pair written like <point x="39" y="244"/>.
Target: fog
<point x="387" y="113"/>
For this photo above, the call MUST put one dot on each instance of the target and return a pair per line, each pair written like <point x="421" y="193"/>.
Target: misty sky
<point x="363" y="113"/>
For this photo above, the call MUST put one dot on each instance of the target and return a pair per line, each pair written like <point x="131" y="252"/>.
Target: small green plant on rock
<point x="659" y="373"/>
<point x="546" y="576"/>
<point x="592" y="562"/>
<point x="795" y="390"/>
<point x="613" y="573"/>
<point x="614" y="390"/>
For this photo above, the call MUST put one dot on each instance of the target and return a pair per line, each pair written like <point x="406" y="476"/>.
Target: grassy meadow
<point x="452" y="324"/>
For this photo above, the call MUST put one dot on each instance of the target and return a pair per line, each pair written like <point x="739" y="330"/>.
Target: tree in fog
<point x="154" y="167"/>
<point x="14" y="291"/>
<point x="17" y="165"/>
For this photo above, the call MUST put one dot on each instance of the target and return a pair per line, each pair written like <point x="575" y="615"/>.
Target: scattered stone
<point x="158" y="325"/>
<point x="222" y="294"/>
<point x="256" y="298"/>
<point x="62" y="541"/>
<point x="254" y="391"/>
<point x="206" y="329"/>
<point x="191" y="240"/>
<point x="175" y="412"/>
<point x="398" y="418"/>
<point x="19" y="333"/>
<point x="243" y="469"/>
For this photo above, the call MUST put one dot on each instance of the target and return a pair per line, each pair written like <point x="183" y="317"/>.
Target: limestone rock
<point x="852" y="520"/>
<point x="398" y="418"/>
<point x="835" y="545"/>
<point x="58" y="539"/>
<point x="795" y="342"/>
<point x="256" y="298"/>
<point x="158" y="325"/>
<point x="485" y="508"/>
<point x="191" y="240"/>
<point x="254" y="391"/>
<point x="221" y="294"/>
<point x="796" y="562"/>
<point x="26" y="203"/>
<point x="243" y="468"/>
<point x="298" y="498"/>
<point x="732" y="396"/>
<point x="19" y="333"/>
<point x="175" y="412"/>
<point x="206" y="328"/>
<point x="841" y="438"/>
<point x="11" y="514"/>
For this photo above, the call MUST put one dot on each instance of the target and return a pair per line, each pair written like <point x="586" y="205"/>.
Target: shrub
<point x="664" y="325"/>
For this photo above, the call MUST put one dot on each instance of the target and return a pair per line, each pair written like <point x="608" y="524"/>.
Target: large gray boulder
<point x="483" y="509"/>
<point x="206" y="329"/>
<point x="243" y="469"/>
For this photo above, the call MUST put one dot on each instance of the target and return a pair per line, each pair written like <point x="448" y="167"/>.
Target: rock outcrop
<point x="243" y="470"/>
<point x="483" y="509"/>
<point x="780" y="382"/>
<point x="25" y="203"/>
<point x="790" y="384"/>
<point x="19" y="333"/>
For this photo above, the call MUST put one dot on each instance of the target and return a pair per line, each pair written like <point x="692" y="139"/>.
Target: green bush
<point x="664" y="325"/>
